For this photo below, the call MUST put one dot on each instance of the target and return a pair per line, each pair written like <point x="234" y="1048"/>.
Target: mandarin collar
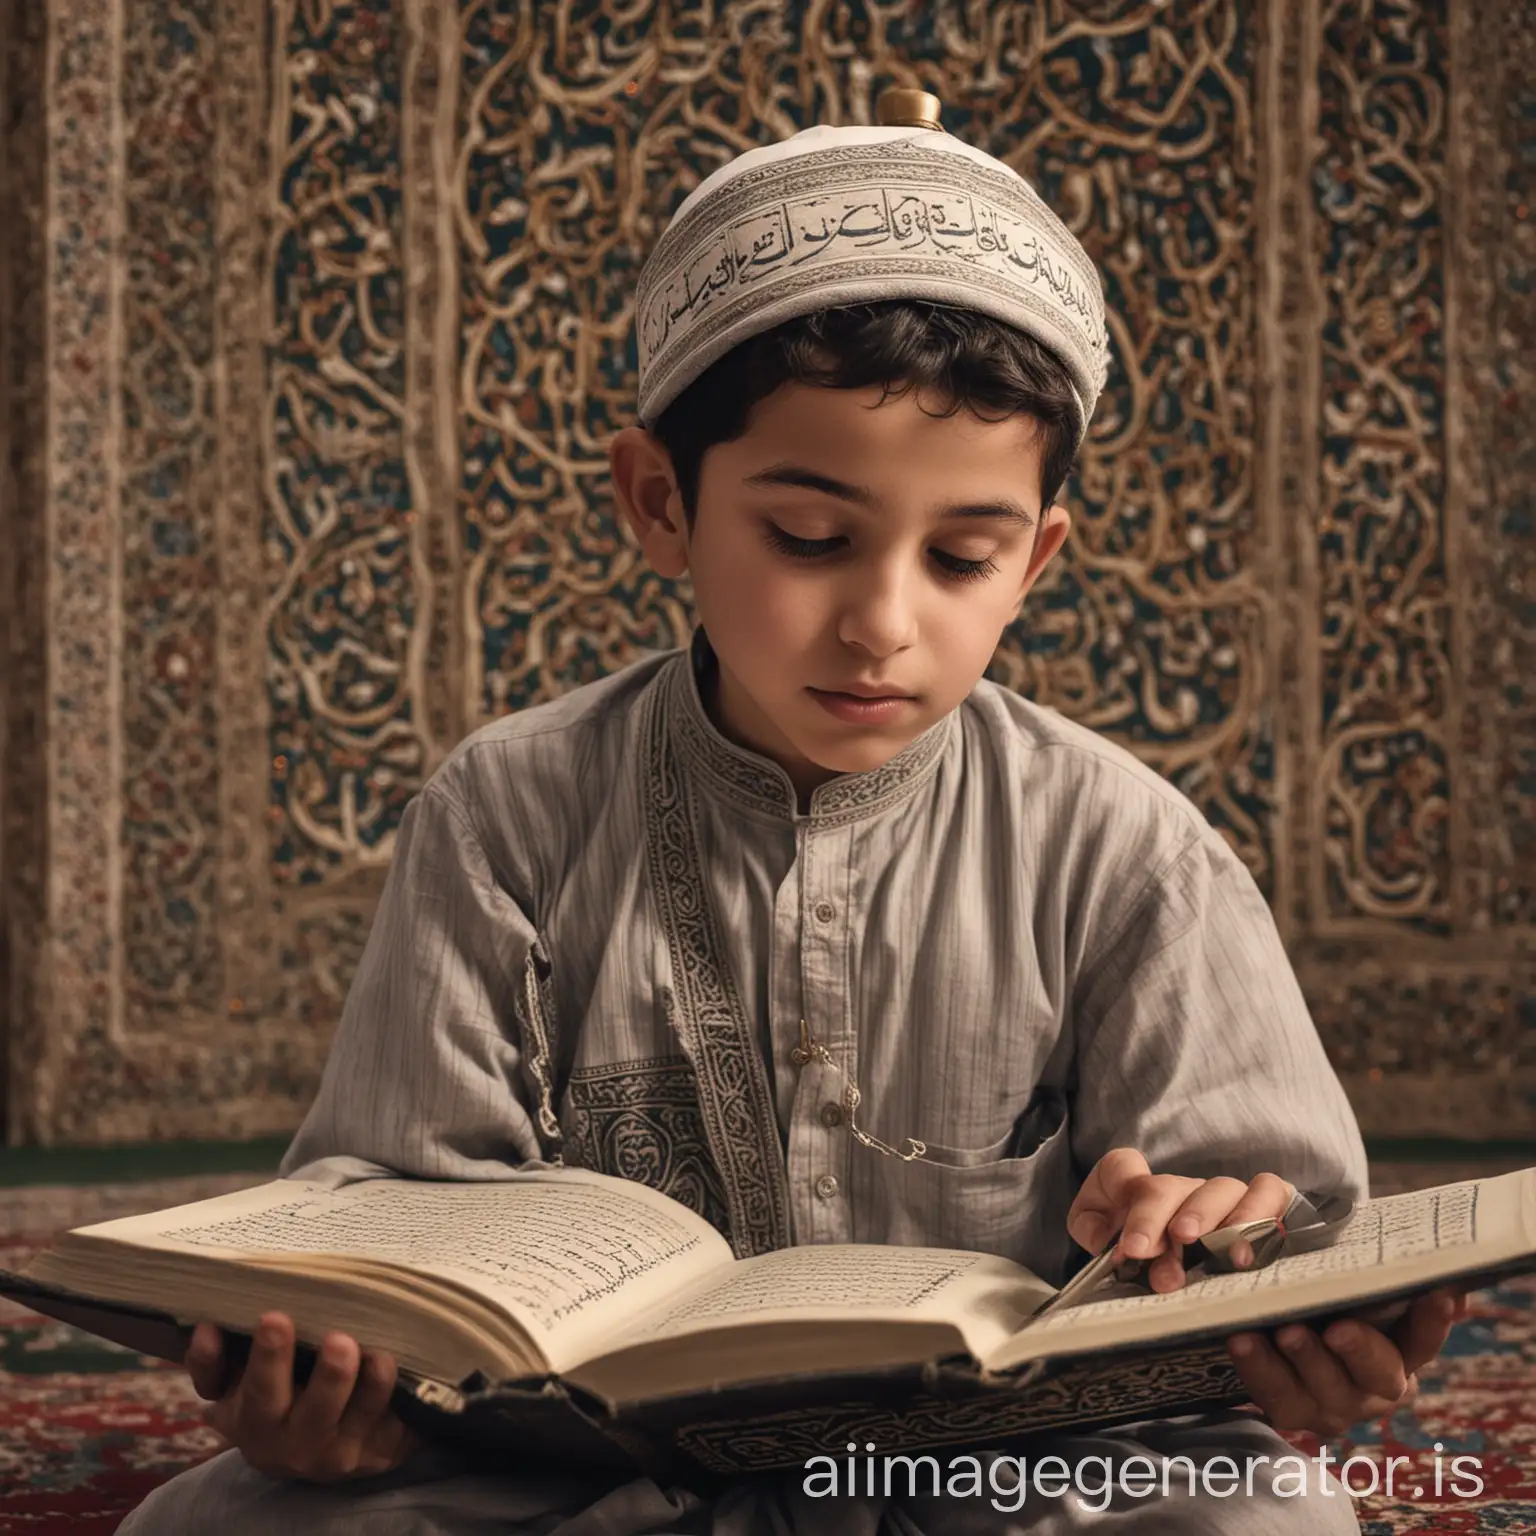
<point x="757" y="783"/>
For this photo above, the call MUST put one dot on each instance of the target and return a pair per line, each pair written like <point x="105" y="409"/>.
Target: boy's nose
<point x="878" y="617"/>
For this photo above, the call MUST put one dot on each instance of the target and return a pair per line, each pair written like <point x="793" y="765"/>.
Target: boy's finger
<point x="1422" y="1334"/>
<point x="1371" y="1359"/>
<point x="1091" y="1220"/>
<point x="369" y="1403"/>
<point x="1166" y="1271"/>
<point x="205" y="1362"/>
<point x="1089" y="1210"/>
<point x="1118" y="1174"/>
<point x="266" y="1389"/>
<point x="390" y="1444"/>
<point x="1090" y="1229"/>
<point x="1206" y="1208"/>
<point x="1095" y="1214"/>
<point x="1348" y="1385"/>
<point x="1267" y="1194"/>
<point x="317" y="1412"/>
<point x="1146" y="1224"/>
<point x="1275" y="1386"/>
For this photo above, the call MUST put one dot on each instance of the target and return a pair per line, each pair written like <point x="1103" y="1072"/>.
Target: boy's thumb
<point x="1090" y="1231"/>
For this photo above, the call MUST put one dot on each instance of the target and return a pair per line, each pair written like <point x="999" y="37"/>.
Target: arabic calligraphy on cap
<point x="848" y="215"/>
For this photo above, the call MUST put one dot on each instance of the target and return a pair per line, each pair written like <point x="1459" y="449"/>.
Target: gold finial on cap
<point x="900" y="107"/>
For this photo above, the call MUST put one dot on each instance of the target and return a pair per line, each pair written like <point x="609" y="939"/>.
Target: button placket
<point x="823" y="973"/>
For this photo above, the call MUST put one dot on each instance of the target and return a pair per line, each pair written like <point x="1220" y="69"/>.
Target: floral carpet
<point x="88" y="1429"/>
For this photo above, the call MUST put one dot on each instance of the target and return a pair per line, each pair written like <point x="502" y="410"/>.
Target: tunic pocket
<point x="986" y="1200"/>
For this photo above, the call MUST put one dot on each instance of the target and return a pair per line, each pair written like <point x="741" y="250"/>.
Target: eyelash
<point x="953" y="567"/>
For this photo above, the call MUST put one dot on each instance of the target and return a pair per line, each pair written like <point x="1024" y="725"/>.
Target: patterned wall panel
<point x="345" y="607"/>
<point x="339" y="331"/>
<point x="1156" y="627"/>
<point x="81" y="962"/>
<point x="153" y="913"/>
<point x="1411" y="924"/>
<point x="1496" y="262"/>
<point x="566" y="164"/>
<point x="23" y="584"/>
<point x="1380" y="640"/>
<point x="170" y="770"/>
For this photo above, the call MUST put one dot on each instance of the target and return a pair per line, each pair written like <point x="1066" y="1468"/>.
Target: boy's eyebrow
<point x="799" y="477"/>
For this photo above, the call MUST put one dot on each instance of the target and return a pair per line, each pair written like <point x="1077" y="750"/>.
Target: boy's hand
<point x="339" y="1425"/>
<point x="1160" y="1212"/>
<point x="1350" y="1373"/>
<point x="1300" y="1380"/>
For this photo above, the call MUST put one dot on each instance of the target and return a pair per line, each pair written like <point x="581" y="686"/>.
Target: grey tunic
<point x="604" y="924"/>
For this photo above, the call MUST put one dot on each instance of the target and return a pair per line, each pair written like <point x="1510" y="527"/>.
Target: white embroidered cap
<point x="852" y="215"/>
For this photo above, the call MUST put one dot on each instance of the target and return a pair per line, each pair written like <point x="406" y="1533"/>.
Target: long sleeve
<point x="426" y="1076"/>
<point x="1194" y="1041"/>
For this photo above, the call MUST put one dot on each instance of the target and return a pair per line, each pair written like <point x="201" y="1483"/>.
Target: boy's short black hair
<point x="967" y="359"/>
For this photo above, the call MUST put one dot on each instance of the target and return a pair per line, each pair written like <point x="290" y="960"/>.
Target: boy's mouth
<point x="861" y="708"/>
<point x="866" y="691"/>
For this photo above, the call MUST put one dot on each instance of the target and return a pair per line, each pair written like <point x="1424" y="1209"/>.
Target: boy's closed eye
<point x="959" y="567"/>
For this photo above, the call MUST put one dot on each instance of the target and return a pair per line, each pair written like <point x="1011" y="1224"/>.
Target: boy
<point x="808" y="925"/>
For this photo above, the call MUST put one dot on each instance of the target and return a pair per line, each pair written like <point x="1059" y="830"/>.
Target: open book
<point x="518" y="1308"/>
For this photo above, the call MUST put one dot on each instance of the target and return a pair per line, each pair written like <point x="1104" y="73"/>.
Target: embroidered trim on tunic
<point x="641" y="1120"/>
<point x="707" y="1010"/>
<point x="761" y="785"/>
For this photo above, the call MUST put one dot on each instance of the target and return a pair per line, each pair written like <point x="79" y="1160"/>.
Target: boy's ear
<point x="646" y="487"/>
<point x="1055" y="524"/>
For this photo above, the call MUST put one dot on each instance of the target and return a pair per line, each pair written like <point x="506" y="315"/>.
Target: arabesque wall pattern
<point x="317" y="326"/>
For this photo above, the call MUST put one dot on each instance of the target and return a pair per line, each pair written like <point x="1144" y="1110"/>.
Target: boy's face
<point x="854" y="565"/>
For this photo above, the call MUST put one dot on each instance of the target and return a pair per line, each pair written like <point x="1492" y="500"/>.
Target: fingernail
<point x="270" y="1335"/>
<point x="1138" y="1245"/>
<point x="1292" y="1338"/>
<point x="1344" y="1336"/>
<point x="1242" y="1346"/>
<point x="1446" y="1307"/>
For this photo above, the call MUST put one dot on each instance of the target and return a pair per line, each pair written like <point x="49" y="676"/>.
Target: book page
<point x="987" y="1298"/>
<point x="571" y="1255"/>
<point x="1388" y="1244"/>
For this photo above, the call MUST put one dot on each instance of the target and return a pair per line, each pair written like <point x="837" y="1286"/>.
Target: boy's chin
<point x="858" y="751"/>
